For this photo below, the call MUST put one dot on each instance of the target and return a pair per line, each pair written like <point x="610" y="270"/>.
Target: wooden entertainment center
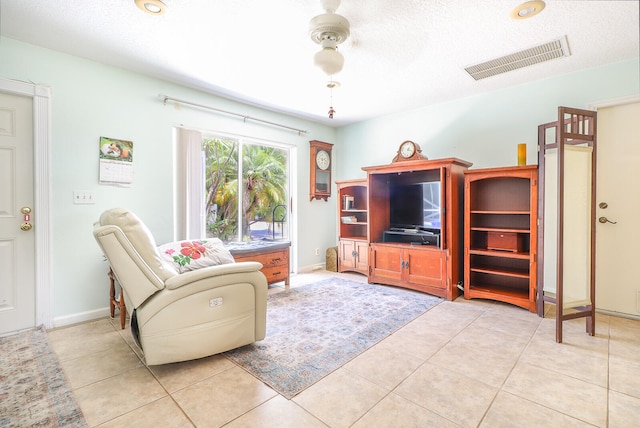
<point x="424" y="262"/>
<point x="486" y="227"/>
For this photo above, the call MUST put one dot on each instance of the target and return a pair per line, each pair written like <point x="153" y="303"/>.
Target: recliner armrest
<point x="208" y="272"/>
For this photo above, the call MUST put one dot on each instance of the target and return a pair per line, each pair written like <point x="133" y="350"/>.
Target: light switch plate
<point x="84" y="197"/>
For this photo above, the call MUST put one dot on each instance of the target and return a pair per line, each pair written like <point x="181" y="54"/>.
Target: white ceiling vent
<point x="546" y="52"/>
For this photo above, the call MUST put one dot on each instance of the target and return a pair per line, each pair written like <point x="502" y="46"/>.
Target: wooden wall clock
<point x="320" y="170"/>
<point x="407" y="151"/>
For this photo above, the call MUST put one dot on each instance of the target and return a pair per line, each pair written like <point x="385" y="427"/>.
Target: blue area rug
<point x="315" y="329"/>
<point x="33" y="388"/>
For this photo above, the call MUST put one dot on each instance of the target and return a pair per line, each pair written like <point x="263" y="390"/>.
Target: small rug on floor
<point x="33" y="387"/>
<point x="315" y="329"/>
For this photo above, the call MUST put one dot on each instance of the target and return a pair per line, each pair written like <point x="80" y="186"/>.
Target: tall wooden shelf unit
<point x="353" y="217"/>
<point x="433" y="269"/>
<point x="500" y="238"/>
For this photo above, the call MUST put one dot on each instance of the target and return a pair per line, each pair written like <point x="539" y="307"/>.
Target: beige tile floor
<point x="467" y="363"/>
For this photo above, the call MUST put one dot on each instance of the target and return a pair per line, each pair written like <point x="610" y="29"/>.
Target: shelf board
<point x="354" y="210"/>
<point x="505" y="254"/>
<point x="354" y="237"/>
<point x="355" y="222"/>
<point x="508" y="294"/>
<point x="493" y="271"/>
<point x="500" y="229"/>
<point x="501" y="212"/>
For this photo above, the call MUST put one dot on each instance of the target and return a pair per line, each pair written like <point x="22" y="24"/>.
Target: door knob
<point x="606" y="220"/>
<point x="26" y="216"/>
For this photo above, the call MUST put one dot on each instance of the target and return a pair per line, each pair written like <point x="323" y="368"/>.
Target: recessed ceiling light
<point x="153" y="7"/>
<point x="527" y="10"/>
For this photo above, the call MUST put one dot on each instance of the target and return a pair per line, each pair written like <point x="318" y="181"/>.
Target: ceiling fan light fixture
<point x="329" y="24"/>
<point x="329" y="60"/>
<point x="329" y="30"/>
<point x="527" y="10"/>
<point x="152" y="7"/>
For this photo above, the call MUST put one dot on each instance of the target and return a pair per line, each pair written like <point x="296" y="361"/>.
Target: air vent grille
<point x="546" y="52"/>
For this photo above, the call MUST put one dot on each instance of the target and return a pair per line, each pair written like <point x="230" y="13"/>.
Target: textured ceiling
<point x="402" y="54"/>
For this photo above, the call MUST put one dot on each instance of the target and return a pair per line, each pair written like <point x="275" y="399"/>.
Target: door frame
<point x="41" y="97"/>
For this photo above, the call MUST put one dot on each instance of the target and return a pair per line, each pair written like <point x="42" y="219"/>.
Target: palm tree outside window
<point x="246" y="189"/>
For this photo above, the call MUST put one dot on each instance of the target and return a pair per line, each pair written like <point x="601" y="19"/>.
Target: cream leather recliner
<point x="181" y="316"/>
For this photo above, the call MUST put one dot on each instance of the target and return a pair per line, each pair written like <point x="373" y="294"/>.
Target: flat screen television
<point x="415" y="206"/>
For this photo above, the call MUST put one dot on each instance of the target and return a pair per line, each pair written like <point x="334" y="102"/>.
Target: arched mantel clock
<point x="320" y="170"/>
<point x="407" y="151"/>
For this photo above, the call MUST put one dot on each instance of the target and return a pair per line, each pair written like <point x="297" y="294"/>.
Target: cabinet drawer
<point x="275" y="263"/>
<point x="275" y="273"/>
<point x="504" y="241"/>
<point x="275" y="259"/>
<point x="271" y="259"/>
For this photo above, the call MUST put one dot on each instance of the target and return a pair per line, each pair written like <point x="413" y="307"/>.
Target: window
<point x="236" y="189"/>
<point x="245" y="200"/>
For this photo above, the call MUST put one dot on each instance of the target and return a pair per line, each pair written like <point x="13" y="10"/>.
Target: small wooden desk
<point x="274" y="256"/>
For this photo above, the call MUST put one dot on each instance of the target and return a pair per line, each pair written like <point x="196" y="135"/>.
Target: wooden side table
<point x="274" y="257"/>
<point x="113" y="302"/>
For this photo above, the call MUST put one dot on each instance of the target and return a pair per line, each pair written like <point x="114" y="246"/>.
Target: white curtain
<point x="189" y="195"/>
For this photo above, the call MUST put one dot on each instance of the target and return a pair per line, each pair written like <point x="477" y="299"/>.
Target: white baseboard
<point x="311" y="268"/>
<point x="81" y="317"/>
<point x="618" y="314"/>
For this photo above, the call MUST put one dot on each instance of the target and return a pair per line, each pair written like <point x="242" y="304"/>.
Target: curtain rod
<point x="166" y="98"/>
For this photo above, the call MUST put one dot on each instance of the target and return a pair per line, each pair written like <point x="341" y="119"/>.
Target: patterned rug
<point x="315" y="329"/>
<point x="33" y="388"/>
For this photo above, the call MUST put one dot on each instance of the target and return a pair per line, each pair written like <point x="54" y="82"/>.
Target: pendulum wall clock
<point x="320" y="170"/>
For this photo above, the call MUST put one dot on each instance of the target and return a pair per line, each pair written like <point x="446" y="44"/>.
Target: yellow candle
<point x="522" y="154"/>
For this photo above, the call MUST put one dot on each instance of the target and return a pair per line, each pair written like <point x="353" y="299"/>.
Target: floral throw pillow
<point x="195" y="254"/>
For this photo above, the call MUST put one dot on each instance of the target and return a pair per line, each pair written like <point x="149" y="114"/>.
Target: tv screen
<point x="415" y="206"/>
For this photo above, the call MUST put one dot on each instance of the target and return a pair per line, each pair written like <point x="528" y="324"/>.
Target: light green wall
<point x="92" y="100"/>
<point x="483" y="129"/>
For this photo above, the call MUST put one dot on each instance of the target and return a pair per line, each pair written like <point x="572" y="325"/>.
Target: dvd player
<point x="411" y="236"/>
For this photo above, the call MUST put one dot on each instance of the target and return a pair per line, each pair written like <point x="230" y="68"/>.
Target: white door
<point x="618" y="186"/>
<point x="17" y="248"/>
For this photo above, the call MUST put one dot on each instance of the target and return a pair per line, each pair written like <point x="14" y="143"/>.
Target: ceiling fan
<point x="329" y="30"/>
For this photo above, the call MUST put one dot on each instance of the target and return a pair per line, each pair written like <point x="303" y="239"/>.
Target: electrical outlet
<point x="317" y="251"/>
<point x="84" y="197"/>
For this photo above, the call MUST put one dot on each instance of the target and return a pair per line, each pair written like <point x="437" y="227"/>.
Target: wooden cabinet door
<point x="386" y="263"/>
<point x="346" y="255"/>
<point x="425" y="267"/>
<point x="353" y="255"/>
<point x="362" y="256"/>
